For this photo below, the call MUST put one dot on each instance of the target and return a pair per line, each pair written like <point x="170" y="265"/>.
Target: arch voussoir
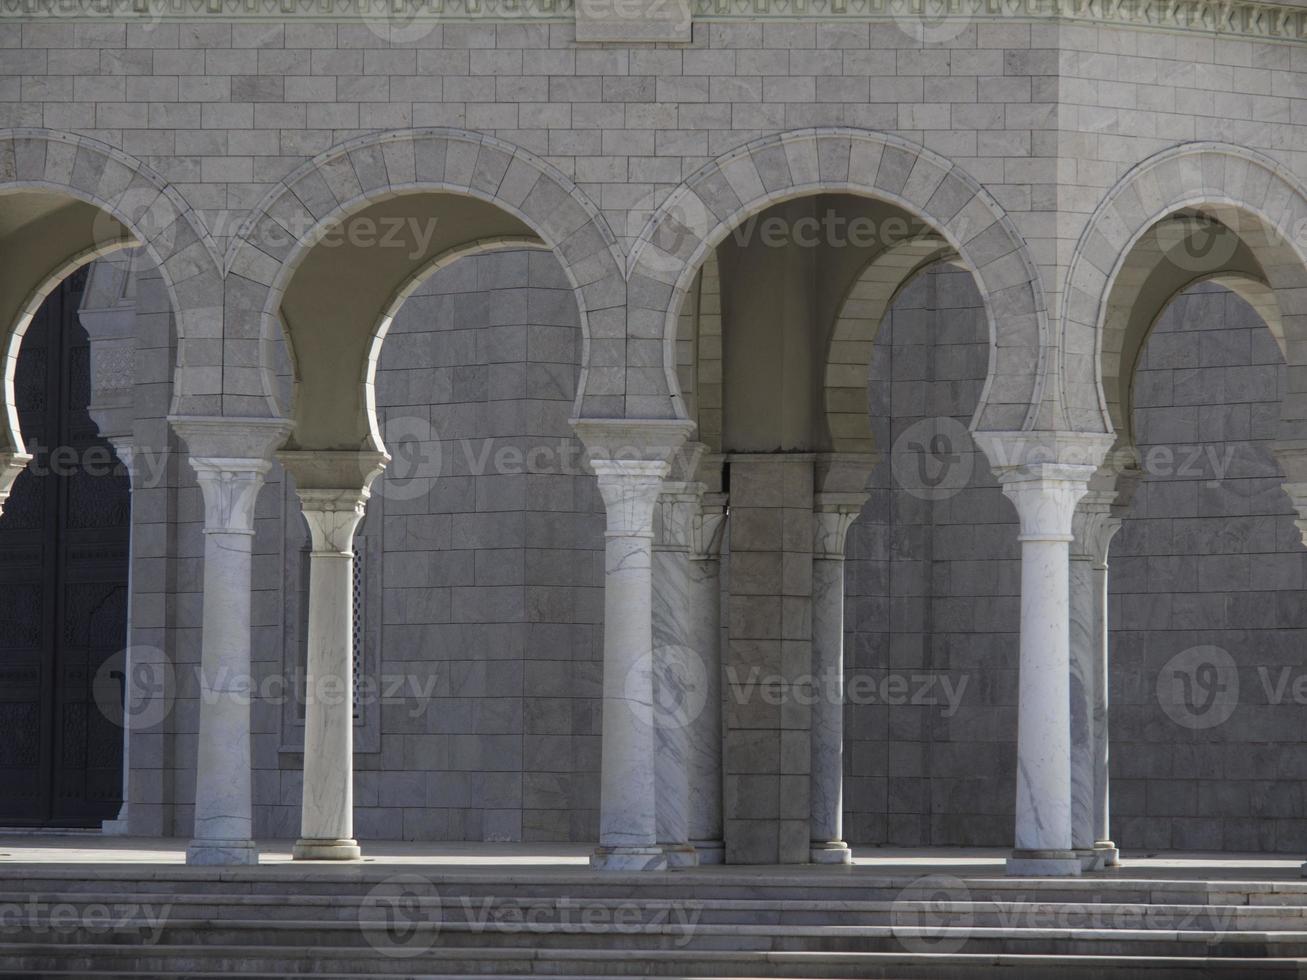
<point x="1254" y="198"/>
<point x="700" y="213"/>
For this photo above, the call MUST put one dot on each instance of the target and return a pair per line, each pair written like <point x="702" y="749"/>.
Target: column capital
<point x="1094" y="523"/>
<point x="11" y="464"/>
<point x="675" y="515"/>
<point x="630" y="489"/>
<point x="833" y="515"/>
<point x="230" y="488"/>
<point x="333" y="516"/>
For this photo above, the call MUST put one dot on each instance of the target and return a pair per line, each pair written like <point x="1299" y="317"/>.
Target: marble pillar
<point x="223" y="823"/>
<point x="1292" y="457"/>
<point x="678" y="667"/>
<point x="704" y="733"/>
<point x="231" y="458"/>
<point x="834" y="514"/>
<point x="327" y="817"/>
<point x="628" y="837"/>
<point x="1044" y="475"/>
<point x="1093" y="527"/>
<point x="121" y="824"/>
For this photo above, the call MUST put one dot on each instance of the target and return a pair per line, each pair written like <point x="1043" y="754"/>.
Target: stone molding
<point x="1264" y="21"/>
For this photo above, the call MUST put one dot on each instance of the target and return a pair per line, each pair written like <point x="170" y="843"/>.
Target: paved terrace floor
<point x="91" y="849"/>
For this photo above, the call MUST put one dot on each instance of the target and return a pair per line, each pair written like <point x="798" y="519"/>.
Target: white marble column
<point x="230" y="483"/>
<point x="1292" y="457"/>
<point x="121" y="824"/>
<point x="628" y="839"/>
<point x="1093" y="527"/>
<point x="327" y="817"/>
<point x="834" y="515"/>
<point x="223" y="819"/>
<point x="678" y="668"/>
<point x="1044" y="475"/>
<point x="704" y="733"/>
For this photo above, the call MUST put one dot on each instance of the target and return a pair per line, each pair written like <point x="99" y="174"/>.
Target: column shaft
<point x="1083" y="659"/>
<point x="826" y="796"/>
<point x="327" y="817"/>
<point x="674" y="680"/>
<point x="223" y="820"/>
<point x="627" y="815"/>
<point x="705" y="728"/>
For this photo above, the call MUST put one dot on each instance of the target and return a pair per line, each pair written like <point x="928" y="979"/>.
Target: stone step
<point x="201" y="934"/>
<point x="773" y="912"/>
<point x="245" y="962"/>
<point x="358" y="880"/>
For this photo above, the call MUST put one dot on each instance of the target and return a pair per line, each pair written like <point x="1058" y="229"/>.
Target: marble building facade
<point x="698" y="434"/>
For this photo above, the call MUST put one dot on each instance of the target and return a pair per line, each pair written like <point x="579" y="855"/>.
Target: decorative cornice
<point x="1264" y="21"/>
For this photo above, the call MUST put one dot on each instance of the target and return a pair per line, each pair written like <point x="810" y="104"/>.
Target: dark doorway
<point x="63" y="586"/>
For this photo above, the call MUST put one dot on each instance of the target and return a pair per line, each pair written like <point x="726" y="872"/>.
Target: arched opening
<point x="817" y="342"/>
<point x="477" y="570"/>
<point x="64" y="552"/>
<point x="1199" y="343"/>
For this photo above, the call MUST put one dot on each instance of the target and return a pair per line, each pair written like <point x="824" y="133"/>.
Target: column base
<point x="1109" y="854"/>
<point x="680" y="855"/>
<point x="1044" y="864"/>
<point x="628" y="859"/>
<point x="311" y="849"/>
<point x="830" y="852"/>
<point x="1090" y="859"/>
<point x="710" y="851"/>
<point x="218" y="852"/>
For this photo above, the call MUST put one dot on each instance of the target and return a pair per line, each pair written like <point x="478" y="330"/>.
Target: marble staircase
<point x="796" y="923"/>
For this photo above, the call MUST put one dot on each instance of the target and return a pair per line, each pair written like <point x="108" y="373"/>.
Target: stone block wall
<point x="486" y="589"/>
<point x="1206" y="584"/>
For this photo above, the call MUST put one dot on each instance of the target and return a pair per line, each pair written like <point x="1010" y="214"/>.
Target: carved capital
<point x="833" y="515"/>
<point x="11" y="464"/>
<point x="675" y="515"/>
<point x="1045" y="504"/>
<point x="630" y="489"/>
<point x="333" y="516"/>
<point x="1094" y="524"/>
<point x="1298" y="495"/>
<point x="230" y="488"/>
<point x="709" y="528"/>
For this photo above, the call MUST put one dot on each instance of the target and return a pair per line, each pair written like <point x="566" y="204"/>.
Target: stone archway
<point x="704" y="209"/>
<point x="80" y="199"/>
<point x="365" y="172"/>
